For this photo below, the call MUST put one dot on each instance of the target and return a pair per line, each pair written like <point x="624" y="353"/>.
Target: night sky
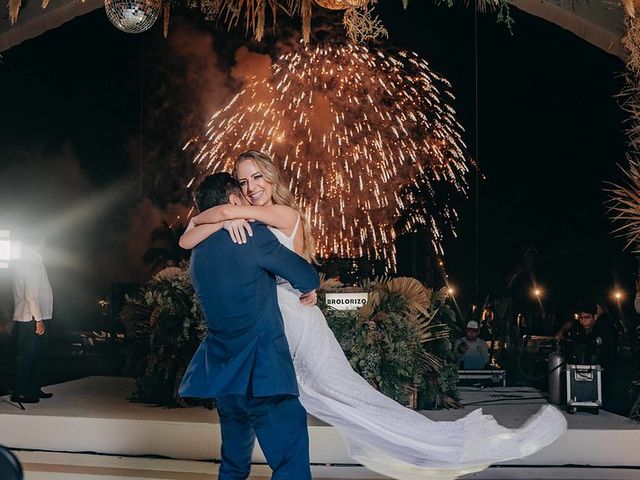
<point x="93" y="120"/>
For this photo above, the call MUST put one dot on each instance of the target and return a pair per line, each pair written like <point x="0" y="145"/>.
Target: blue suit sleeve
<point x="272" y="256"/>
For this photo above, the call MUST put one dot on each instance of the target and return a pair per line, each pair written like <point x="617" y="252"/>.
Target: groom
<point x="244" y="362"/>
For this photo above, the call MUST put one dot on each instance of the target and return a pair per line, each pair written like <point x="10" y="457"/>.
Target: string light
<point x="617" y="295"/>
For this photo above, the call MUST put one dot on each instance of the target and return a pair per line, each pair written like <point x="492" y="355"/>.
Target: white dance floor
<point x="91" y="417"/>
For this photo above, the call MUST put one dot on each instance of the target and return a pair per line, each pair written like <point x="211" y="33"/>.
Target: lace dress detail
<point x="383" y="435"/>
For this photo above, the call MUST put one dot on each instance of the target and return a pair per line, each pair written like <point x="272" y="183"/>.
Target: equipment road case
<point x="584" y="388"/>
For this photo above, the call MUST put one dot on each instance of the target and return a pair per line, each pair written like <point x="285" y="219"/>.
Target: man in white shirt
<point x="33" y="307"/>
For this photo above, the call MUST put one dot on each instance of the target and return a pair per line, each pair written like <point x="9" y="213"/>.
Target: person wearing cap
<point x="471" y="351"/>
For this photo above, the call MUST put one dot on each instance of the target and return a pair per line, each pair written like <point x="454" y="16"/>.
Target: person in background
<point x="591" y="303"/>
<point x="33" y="308"/>
<point x="594" y="335"/>
<point x="471" y="351"/>
<point x="593" y="340"/>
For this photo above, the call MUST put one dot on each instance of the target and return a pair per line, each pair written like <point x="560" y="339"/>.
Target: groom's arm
<point x="277" y="259"/>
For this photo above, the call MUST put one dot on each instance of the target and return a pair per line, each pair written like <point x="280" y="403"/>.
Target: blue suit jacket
<point x="245" y="351"/>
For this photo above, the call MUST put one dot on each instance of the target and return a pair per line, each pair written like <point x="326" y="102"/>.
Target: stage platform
<point x="78" y="466"/>
<point x="92" y="416"/>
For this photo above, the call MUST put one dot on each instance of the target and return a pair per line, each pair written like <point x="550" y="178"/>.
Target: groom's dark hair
<point x="215" y="190"/>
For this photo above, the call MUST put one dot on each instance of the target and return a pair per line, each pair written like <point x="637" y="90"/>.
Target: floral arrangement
<point x="399" y="341"/>
<point x="164" y="327"/>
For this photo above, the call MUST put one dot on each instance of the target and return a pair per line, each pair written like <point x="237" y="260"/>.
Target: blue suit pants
<point x="280" y="425"/>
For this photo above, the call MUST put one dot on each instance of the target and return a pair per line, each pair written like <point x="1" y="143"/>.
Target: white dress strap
<point x="295" y="229"/>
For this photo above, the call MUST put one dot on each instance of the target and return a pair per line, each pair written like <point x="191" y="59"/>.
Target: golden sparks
<point x="368" y="142"/>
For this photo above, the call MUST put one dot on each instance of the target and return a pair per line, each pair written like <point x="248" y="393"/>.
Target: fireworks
<point x="368" y="142"/>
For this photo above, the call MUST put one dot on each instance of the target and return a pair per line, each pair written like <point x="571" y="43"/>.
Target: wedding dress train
<point x="383" y="435"/>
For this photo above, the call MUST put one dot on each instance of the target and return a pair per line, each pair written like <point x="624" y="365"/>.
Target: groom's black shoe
<point x="42" y="394"/>
<point x="24" y="399"/>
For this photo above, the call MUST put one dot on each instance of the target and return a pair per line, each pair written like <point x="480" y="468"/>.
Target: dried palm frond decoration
<point x="399" y="341"/>
<point x="629" y="99"/>
<point x="624" y="200"/>
<point x="416" y="297"/>
<point x="169" y="273"/>
<point x="14" y="9"/>
<point x="631" y="42"/>
<point x="359" y="21"/>
<point x="361" y="25"/>
<point x="630" y="7"/>
<point x="488" y="5"/>
<point x="409" y="295"/>
<point x="332" y="284"/>
<point x="624" y="205"/>
<point x="166" y="14"/>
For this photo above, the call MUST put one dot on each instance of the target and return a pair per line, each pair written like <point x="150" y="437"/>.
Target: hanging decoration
<point x="133" y="16"/>
<point x="624" y="199"/>
<point x="360" y="22"/>
<point x="253" y="14"/>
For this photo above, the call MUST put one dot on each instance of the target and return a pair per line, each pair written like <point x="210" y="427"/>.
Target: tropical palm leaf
<point x="329" y="284"/>
<point x="135" y="317"/>
<point x="369" y="284"/>
<point x="624" y="204"/>
<point x="434" y="361"/>
<point x="417" y="297"/>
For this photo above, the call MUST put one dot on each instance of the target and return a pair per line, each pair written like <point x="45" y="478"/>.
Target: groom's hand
<point x="309" y="299"/>
<point x="238" y="229"/>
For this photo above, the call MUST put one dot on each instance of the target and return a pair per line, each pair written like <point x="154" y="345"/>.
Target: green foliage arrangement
<point x="164" y="327"/>
<point x="399" y="341"/>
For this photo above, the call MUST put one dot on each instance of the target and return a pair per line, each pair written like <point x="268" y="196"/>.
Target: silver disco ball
<point x="133" y="16"/>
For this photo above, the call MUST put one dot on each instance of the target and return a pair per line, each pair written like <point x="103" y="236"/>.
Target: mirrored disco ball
<point x="133" y="16"/>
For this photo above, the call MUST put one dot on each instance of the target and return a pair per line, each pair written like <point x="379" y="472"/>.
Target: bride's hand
<point x="309" y="299"/>
<point x="238" y="229"/>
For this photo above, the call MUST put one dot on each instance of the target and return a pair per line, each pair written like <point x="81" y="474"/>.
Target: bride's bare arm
<point x="194" y="234"/>
<point x="278" y="216"/>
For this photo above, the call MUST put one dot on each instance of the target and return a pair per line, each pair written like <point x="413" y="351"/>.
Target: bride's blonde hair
<point x="280" y="195"/>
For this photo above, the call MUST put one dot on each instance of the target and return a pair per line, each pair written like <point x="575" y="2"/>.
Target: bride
<point x="381" y="434"/>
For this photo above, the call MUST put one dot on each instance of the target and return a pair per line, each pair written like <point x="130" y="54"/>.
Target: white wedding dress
<point x="383" y="435"/>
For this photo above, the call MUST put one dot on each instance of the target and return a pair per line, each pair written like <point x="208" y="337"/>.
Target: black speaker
<point x="10" y="468"/>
